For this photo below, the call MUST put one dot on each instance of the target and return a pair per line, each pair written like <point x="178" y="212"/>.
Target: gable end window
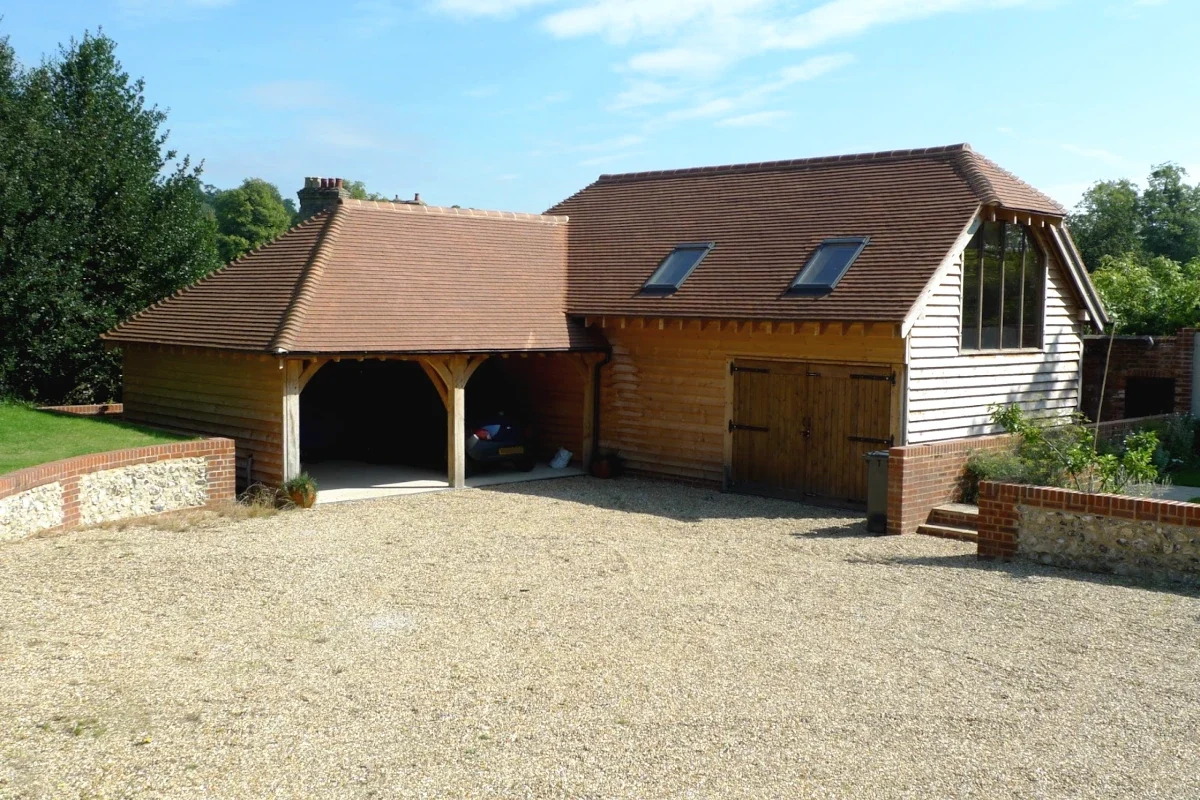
<point x="676" y="267"/>
<point x="1004" y="287"/>
<point x="827" y="264"/>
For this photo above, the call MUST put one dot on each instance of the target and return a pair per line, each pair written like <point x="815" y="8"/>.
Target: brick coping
<point x="1143" y="509"/>
<point x="89" y="410"/>
<point x="63" y="469"/>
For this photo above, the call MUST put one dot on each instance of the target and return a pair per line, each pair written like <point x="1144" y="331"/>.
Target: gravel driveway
<point x="578" y="638"/>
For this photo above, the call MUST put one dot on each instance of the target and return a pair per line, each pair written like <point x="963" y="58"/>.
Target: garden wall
<point x="90" y="410"/>
<point x="116" y="485"/>
<point x="1158" y="539"/>
<point x="1146" y="375"/>
<point x="922" y="477"/>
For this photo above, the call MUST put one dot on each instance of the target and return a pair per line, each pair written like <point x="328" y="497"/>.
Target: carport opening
<point x="389" y="412"/>
<point x="378" y="412"/>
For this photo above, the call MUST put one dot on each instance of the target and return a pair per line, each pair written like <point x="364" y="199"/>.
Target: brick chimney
<point x="319" y="194"/>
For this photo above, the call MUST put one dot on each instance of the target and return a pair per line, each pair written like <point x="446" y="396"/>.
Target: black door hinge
<point x="889" y="378"/>
<point x="890" y="441"/>
<point x="733" y="426"/>
<point x="760" y="370"/>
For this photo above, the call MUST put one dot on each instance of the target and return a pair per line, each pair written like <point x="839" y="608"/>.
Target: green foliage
<point x="97" y="219"/>
<point x="1065" y="454"/>
<point x="249" y="216"/>
<point x="358" y="191"/>
<point x="1170" y="215"/>
<point x="1115" y="219"/>
<point x="1150" y="295"/>
<point x="1107" y="222"/>
<point x="993" y="465"/>
<point x="29" y="437"/>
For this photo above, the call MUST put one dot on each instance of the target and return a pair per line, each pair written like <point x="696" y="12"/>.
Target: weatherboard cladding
<point x="371" y="277"/>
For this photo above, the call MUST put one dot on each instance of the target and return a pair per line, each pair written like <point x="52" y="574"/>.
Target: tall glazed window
<point x="1004" y="286"/>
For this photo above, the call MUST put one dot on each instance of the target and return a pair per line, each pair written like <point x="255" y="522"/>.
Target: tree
<point x="1150" y="294"/>
<point x="1115" y="219"/>
<point x="1170" y="214"/>
<point x="97" y="219"/>
<point x="358" y="191"/>
<point x="1107" y="222"/>
<point x="249" y="216"/>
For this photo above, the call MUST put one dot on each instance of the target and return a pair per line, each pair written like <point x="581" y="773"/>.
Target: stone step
<point x="949" y="532"/>
<point x="955" y="515"/>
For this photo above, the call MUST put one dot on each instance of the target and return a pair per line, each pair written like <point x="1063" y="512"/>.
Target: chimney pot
<point x="319" y="194"/>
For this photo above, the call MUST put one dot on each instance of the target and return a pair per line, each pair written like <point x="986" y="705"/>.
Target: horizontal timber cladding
<point x="949" y="393"/>
<point x="214" y="393"/>
<point x="552" y="390"/>
<point x="666" y="398"/>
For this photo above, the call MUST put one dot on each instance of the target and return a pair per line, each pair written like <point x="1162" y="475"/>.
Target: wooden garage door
<point x="801" y="430"/>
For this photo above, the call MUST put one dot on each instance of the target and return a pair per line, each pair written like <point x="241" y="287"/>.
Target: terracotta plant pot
<point x="303" y="498"/>
<point x="606" y="467"/>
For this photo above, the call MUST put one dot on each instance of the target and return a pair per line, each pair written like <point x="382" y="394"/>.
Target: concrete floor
<point x="339" y="481"/>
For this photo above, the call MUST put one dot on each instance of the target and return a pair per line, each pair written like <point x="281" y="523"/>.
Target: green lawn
<point x="29" y="437"/>
<point x="1186" y="477"/>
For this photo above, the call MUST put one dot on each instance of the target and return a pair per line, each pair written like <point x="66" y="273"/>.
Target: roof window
<point x="674" y="269"/>
<point x="826" y="266"/>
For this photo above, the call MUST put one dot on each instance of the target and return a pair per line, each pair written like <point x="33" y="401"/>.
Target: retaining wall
<point x="1105" y="533"/>
<point x="922" y="477"/>
<point x="116" y="485"/>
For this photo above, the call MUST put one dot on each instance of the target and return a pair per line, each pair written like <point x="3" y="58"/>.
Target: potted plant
<point x="607" y="464"/>
<point x="301" y="490"/>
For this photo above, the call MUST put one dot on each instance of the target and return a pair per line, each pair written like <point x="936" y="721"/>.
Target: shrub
<point x="1177" y="443"/>
<point x="990" y="465"/>
<point x="1065" y="455"/>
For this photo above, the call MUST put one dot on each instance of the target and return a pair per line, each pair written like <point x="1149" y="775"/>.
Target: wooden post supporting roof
<point x="453" y="372"/>
<point x="292" y="371"/>
<point x="586" y="363"/>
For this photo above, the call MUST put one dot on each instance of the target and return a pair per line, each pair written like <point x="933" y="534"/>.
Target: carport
<point x="558" y="400"/>
<point x="428" y="295"/>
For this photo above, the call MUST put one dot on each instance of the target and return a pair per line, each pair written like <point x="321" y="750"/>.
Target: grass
<point x="1188" y="476"/>
<point x="29" y="437"/>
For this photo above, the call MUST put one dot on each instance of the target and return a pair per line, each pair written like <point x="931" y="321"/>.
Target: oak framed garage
<point x="757" y="327"/>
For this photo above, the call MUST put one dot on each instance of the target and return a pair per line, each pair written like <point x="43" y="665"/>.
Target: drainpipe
<point x="596" y="406"/>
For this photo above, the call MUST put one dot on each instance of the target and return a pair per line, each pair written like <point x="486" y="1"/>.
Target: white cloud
<point x="705" y="36"/>
<point x="643" y="93"/>
<point x="337" y="133"/>
<point x="1097" y="153"/>
<point x="487" y="8"/>
<point x="289" y="95"/>
<point x="756" y="120"/>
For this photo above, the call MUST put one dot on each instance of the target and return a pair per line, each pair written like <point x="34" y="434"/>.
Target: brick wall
<point x="91" y="410"/>
<point x="1100" y="532"/>
<point x="218" y="455"/>
<point x="924" y="476"/>
<point x="1135" y="357"/>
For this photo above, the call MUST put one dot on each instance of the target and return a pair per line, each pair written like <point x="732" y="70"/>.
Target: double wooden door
<point x="801" y="429"/>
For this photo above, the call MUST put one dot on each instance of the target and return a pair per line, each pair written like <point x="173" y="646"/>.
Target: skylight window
<point x="675" y="268"/>
<point x="826" y="266"/>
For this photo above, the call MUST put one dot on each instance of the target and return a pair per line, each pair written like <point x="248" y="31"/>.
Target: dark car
<point x="497" y="438"/>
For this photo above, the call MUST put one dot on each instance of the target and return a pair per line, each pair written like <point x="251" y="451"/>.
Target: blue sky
<point x="515" y="104"/>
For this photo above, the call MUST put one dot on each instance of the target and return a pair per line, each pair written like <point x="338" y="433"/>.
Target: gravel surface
<point x="579" y="638"/>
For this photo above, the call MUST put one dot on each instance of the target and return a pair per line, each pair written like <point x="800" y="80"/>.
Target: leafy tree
<point x="1150" y="294"/>
<point x="97" y="219"/>
<point x="1170" y="214"/>
<point x="1115" y="219"/>
<point x="249" y="216"/>
<point x="1107" y="222"/>
<point x="358" y="191"/>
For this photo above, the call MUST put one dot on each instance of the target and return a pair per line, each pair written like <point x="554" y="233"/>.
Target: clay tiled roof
<point x="379" y="277"/>
<point x="767" y="218"/>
